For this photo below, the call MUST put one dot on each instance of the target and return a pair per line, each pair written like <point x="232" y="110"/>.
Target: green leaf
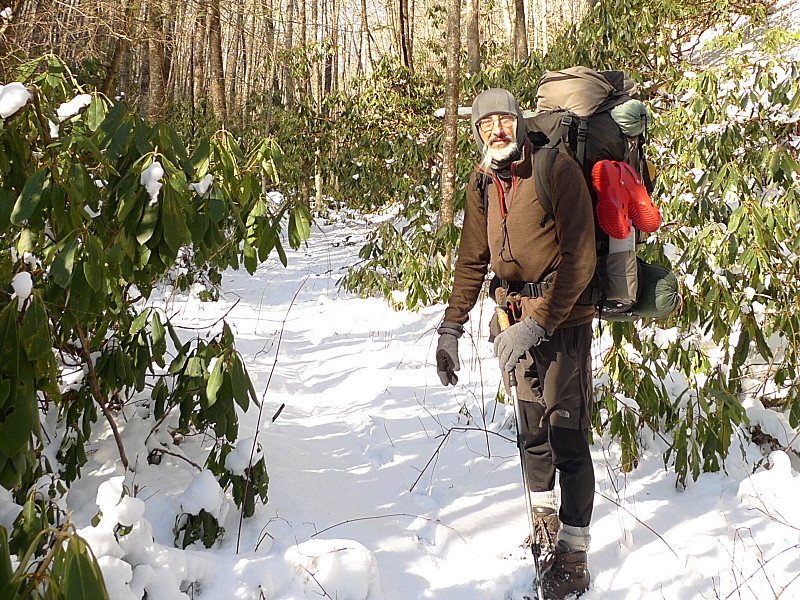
<point x="7" y="201"/>
<point x="148" y="222"/>
<point x="30" y="196"/>
<point x="80" y="295"/>
<point x="9" y="587"/>
<point x="94" y="267"/>
<point x="194" y="367"/>
<point x="82" y="578"/>
<point x="23" y="422"/>
<point x="5" y="392"/>
<point x="139" y="322"/>
<point x="158" y="339"/>
<point x="141" y="137"/>
<point x="241" y="384"/>
<point x="96" y="113"/>
<point x="36" y="338"/>
<point x="120" y="139"/>
<point x="281" y="252"/>
<point x="61" y="269"/>
<point x="217" y="209"/>
<point x="299" y="225"/>
<point x="201" y="157"/>
<point x="215" y="380"/>
<point x="179" y="149"/>
<point x="176" y="233"/>
<point x="250" y="259"/>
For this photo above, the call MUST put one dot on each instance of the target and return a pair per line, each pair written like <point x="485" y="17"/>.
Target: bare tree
<point x="473" y="36"/>
<point x="449" y="148"/>
<point x="157" y="72"/>
<point x="520" y="45"/>
<point x="405" y="35"/>
<point x="217" y="71"/>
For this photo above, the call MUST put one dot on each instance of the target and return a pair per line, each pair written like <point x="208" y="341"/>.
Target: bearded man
<point x="549" y="345"/>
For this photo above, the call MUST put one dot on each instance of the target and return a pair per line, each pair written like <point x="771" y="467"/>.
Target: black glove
<point x="447" y="362"/>
<point x="515" y="341"/>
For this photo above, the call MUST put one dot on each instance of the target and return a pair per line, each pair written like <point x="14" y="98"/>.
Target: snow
<point x="201" y="187"/>
<point x="239" y="458"/>
<point x="23" y="286"/>
<point x="386" y="486"/>
<point x="151" y="180"/>
<point x="69" y="109"/>
<point x="203" y="493"/>
<point x="13" y="97"/>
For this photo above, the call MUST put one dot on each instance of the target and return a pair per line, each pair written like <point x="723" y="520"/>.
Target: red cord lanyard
<point x="502" y="194"/>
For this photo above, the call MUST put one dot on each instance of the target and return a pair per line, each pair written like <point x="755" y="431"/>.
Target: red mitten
<point x="644" y="214"/>
<point x="612" y="199"/>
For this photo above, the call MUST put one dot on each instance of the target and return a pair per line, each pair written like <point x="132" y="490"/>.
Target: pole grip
<point x="502" y="318"/>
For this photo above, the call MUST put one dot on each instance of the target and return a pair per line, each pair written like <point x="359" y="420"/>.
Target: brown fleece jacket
<point x="520" y="249"/>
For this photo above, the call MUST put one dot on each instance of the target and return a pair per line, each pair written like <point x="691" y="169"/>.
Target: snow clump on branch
<point x="12" y="98"/>
<point x="150" y="179"/>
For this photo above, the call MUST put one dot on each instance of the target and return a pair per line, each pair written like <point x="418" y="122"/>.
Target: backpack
<point x="594" y="116"/>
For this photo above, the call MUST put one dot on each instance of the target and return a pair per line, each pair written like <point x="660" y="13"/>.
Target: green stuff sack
<point x="658" y="297"/>
<point x="659" y="293"/>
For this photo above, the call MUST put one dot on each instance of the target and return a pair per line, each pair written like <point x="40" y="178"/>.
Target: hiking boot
<point x="545" y="524"/>
<point x="568" y="577"/>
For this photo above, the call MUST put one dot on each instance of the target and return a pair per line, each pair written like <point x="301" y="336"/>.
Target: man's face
<point x="498" y="131"/>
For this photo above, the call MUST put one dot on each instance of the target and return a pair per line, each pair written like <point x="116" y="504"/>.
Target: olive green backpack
<point x="592" y="116"/>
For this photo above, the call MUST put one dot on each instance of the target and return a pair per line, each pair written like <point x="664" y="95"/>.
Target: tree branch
<point x="98" y="395"/>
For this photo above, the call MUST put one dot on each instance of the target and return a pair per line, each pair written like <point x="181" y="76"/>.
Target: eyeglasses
<point x="506" y="122"/>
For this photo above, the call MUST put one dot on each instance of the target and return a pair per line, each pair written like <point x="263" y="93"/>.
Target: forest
<point x="159" y="142"/>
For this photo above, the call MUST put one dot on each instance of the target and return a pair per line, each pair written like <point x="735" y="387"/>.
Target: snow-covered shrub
<point x="93" y="214"/>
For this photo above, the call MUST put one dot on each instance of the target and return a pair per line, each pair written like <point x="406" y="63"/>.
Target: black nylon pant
<point x="555" y="391"/>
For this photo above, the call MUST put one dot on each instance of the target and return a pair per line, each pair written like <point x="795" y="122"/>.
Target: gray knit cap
<point x="496" y="101"/>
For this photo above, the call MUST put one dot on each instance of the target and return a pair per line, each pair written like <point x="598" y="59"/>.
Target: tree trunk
<point x="156" y="98"/>
<point x="288" y="75"/>
<point x="197" y="60"/>
<point x="473" y="36"/>
<point x="318" y="197"/>
<point x="449" y="149"/>
<point x="405" y="36"/>
<point x="217" y="71"/>
<point x="113" y="68"/>
<point x="520" y="32"/>
<point x="329" y="25"/>
<point x="366" y="47"/>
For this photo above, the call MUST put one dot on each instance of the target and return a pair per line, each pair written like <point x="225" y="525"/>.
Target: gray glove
<point x="447" y="352"/>
<point x="515" y="341"/>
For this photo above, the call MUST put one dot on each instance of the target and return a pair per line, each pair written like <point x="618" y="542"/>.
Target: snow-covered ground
<point x="383" y="489"/>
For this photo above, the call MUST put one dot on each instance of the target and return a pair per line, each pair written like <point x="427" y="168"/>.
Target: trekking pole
<point x="504" y="323"/>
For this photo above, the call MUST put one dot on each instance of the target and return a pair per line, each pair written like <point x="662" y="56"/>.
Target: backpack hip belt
<point x="537" y="289"/>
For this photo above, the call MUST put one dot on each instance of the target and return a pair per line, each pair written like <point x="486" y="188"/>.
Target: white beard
<point x="496" y="154"/>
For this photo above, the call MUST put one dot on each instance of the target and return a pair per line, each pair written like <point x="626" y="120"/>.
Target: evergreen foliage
<point x="725" y="141"/>
<point x="95" y="237"/>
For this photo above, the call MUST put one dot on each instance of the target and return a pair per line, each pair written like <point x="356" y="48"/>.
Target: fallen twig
<point x="638" y="520"/>
<point x="391" y="515"/>
<point x="446" y="436"/>
<point x="176" y="455"/>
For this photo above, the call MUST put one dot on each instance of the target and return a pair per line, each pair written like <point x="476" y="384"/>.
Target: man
<point x="549" y="344"/>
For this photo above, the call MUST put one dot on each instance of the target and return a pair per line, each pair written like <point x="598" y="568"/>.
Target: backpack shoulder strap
<point x="543" y="167"/>
<point x="482" y="184"/>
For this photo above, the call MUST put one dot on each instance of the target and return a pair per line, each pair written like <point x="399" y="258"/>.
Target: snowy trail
<point x="364" y="415"/>
<point x="365" y="420"/>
